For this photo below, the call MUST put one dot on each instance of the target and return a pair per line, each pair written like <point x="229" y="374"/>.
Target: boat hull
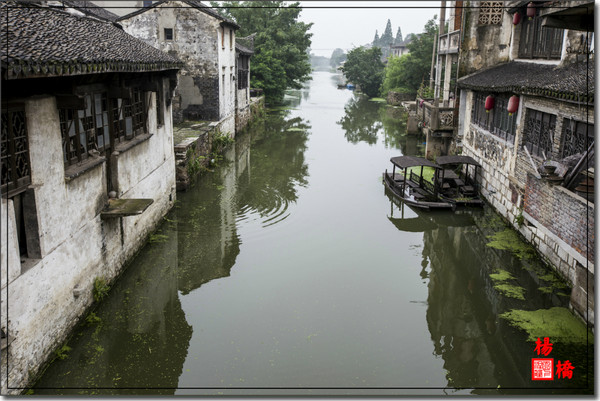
<point x="407" y="198"/>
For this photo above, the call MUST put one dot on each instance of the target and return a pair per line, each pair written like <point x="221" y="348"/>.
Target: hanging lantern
<point x="531" y="10"/>
<point x="513" y="104"/>
<point x="516" y="18"/>
<point x="489" y="103"/>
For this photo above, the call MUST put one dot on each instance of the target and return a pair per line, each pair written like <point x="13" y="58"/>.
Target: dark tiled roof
<point x="89" y="8"/>
<point x="192" y="3"/>
<point x="573" y="82"/>
<point x="243" y="50"/>
<point x="40" y="41"/>
<point x="245" y="45"/>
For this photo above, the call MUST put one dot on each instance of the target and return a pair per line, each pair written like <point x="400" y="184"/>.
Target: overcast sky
<point x="348" y="24"/>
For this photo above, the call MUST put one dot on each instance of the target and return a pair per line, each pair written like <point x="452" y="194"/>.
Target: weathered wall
<point x="507" y="183"/>
<point x="120" y="7"/>
<point x="396" y="98"/>
<point x="483" y="45"/>
<point x="196" y="42"/>
<point x="76" y="244"/>
<point x="564" y="213"/>
<point x="243" y="112"/>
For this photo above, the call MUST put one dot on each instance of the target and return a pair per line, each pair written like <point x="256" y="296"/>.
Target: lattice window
<point x="129" y="116"/>
<point x="478" y="114"/>
<point x="577" y="137"/>
<point x="85" y="130"/>
<point x="539" y="133"/>
<point x="16" y="171"/>
<point x="497" y="121"/>
<point x="490" y="12"/>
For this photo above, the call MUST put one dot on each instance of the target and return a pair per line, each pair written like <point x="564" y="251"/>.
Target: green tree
<point x="398" y="40"/>
<point x="376" y="39"/>
<point x="337" y="57"/>
<point x="363" y="67"/>
<point x="409" y="71"/>
<point x="387" y="37"/>
<point x="281" y="59"/>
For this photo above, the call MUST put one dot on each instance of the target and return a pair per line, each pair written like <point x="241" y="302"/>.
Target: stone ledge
<point x="125" y="146"/>
<point x="76" y="170"/>
<point x="562" y="244"/>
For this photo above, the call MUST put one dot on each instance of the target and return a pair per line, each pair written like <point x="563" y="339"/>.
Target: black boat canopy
<point x="411" y="161"/>
<point x="442" y="160"/>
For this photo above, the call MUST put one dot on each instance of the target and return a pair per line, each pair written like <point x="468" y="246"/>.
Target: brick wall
<point x="565" y="214"/>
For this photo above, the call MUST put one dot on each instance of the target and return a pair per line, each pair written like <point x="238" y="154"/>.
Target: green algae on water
<point x="509" y="240"/>
<point x="501" y="275"/>
<point x="557" y="323"/>
<point x="511" y="291"/>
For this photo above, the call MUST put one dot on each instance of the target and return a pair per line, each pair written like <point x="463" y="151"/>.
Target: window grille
<point x="490" y="12"/>
<point x="89" y="129"/>
<point x="168" y="33"/>
<point x="129" y="116"/>
<point x="85" y="130"/>
<point x="537" y="41"/>
<point x="16" y="172"/>
<point x="497" y="121"/>
<point x="577" y="137"/>
<point x="539" y="133"/>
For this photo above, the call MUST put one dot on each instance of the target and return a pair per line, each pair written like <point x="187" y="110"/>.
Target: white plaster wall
<point x="228" y="87"/>
<point x="77" y="245"/>
<point x="11" y="263"/>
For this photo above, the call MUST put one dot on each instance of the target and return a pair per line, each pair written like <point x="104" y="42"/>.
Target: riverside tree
<point x="364" y="67"/>
<point x="281" y="59"/>
<point x="337" y="57"/>
<point x="406" y="73"/>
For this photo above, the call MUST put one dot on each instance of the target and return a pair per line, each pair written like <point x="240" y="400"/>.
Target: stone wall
<point x="43" y="299"/>
<point x="396" y="98"/>
<point x="193" y="153"/>
<point x="197" y="43"/>
<point x="559" y="223"/>
<point x="566" y="214"/>
<point x="484" y="45"/>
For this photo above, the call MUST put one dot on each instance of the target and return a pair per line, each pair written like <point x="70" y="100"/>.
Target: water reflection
<point x="480" y="350"/>
<point x="138" y="336"/>
<point x="328" y="283"/>
<point x="367" y="121"/>
<point x="361" y="122"/>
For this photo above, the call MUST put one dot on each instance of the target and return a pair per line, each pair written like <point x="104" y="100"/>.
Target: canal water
<point x="289" y="270"/>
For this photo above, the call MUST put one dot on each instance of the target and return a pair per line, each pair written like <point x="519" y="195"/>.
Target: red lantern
<point x="531" y="10"/>
<point x="516" y="18"/>
<point x="513" y="104"/>
<point x="489" y="103"/>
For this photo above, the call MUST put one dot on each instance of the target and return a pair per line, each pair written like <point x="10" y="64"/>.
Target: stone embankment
<point x="195" y="144"/>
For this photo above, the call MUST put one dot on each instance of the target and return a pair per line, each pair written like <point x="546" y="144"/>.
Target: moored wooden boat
<point x="412" y="188"/>
<point x="460" y="189"/>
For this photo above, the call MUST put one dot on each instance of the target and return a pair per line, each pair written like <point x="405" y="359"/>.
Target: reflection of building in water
<point x="208" y="240"/>
<point x="479" y="348"/>
<point x="141" y="337"/>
